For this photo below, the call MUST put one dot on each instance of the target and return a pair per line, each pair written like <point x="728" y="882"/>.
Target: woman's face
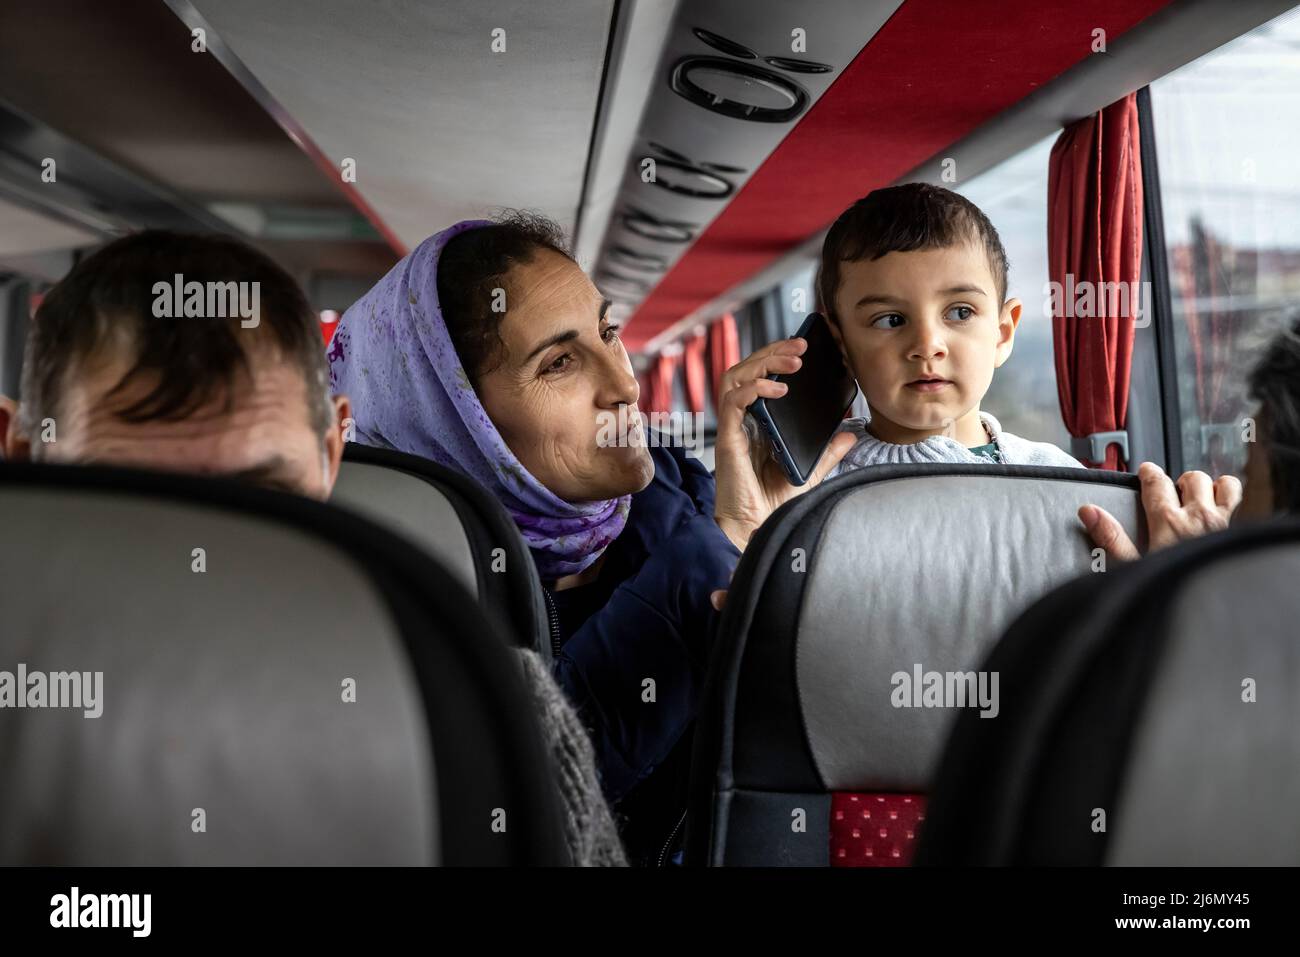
<point x="559" y="383"/>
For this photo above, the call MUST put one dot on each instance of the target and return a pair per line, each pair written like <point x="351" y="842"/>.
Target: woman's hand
<point x="750" y="483"/>
<point x="1174" y="512"/>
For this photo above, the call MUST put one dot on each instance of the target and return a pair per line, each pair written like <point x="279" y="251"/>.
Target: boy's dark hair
<point x="901" y="219"/>
<point x="107" y="302"/>
<point x="1275" y="384"/>
<point x="475" y="263"/>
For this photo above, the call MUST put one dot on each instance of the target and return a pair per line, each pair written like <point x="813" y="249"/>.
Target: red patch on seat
<point x="874" y="829"/>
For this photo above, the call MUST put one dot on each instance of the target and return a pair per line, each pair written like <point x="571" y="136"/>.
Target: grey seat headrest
<point x="455" y="520"/>
<point x="1220" y="727"/>
<point x="1149" y="718"/>
<point x="234" y="676"/>
<point x="849" y="603"/>
<point x="920" y="575"/>
<point x="412" y="506"/>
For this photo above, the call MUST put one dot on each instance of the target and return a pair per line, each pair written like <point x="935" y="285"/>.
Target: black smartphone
<point x="800" y="424"/>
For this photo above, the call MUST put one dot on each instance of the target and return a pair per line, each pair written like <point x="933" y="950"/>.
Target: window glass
<point x="1226" y="143"/>
<point x="1013" y="195"/>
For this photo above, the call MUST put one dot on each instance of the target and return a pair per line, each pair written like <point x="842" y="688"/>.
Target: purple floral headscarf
<point x="392" y="355"/>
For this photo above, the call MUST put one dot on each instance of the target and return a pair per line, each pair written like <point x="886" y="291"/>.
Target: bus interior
<point x="694" y="154"/>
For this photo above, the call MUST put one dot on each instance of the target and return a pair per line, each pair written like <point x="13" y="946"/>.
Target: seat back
<point x="821" y="723"/>
<point x="197" y="672"/>
<point x="1149" y="717"/>
<point x="457" y="521"/>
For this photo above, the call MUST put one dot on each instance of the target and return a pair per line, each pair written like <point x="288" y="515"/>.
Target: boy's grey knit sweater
<point x="589" y="827"/>
<point x="1014" y="450"/>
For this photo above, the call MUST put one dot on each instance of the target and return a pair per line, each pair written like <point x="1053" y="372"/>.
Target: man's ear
<point x="1008" y="320"/>
<point x="339" y="433"/>
<point x="14" y="446"/>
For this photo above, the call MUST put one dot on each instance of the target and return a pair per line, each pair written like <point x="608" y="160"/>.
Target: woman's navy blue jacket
<point x="634" y="645"/>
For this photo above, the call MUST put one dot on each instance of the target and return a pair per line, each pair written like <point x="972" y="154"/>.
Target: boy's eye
<point x="965" y="313"/>
<point x="891" y="321"/>
<point x="609" y="333"/>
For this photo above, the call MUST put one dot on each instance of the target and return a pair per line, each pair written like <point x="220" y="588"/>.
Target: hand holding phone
<point x="800" y="424"/>
<point x="749" y="487"/>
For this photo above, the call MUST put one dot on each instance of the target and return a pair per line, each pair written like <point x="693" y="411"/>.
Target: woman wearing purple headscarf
<point x="487" y="349"/>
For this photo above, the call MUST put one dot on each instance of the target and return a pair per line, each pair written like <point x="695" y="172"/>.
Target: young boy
<point x="914" y="280"/>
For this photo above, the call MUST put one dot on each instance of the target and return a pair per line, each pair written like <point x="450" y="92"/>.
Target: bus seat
<point x="283" y="682"/>
<point x="801" y="756"/>
<point x="457" y="521"/>
<point x="1150" y="718"/>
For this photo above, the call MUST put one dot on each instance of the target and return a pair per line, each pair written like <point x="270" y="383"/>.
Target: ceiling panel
<point x="441" y="127"/>
<point x="24" y="232"/>
<point x="122" y="80"/>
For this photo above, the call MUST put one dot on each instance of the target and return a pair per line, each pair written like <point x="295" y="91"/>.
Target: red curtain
<point x="658" y="395"/>
<point x="329" y="320"/>
<point x="724" y="351"/>
<point x="1094" y="235"/>
<point x="693" y="368"/>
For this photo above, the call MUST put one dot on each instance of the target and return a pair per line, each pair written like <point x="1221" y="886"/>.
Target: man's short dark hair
<point x="475" y="263"/>
<point x="901" y="219"/>
<point x="107" y="303"/>
<point x="1275" y="384"/>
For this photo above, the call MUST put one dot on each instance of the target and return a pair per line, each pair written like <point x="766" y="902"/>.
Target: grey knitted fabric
<point x="870" y="450"/>
<point x="589" y="826"/>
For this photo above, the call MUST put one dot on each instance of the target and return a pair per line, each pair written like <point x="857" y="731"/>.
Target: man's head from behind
<point x="914" y="281"/>
<point x="1273" y="461"/>
<point x="147" y="355"/>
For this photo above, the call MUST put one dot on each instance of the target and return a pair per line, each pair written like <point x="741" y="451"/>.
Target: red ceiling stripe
<point x="934" y="73"/>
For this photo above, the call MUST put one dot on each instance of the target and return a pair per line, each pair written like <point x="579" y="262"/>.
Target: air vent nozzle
<point x="686" y="179"/>
<point x="618" y="286"/>
<point x="743" y="91"/>
<point x="648" y="226"/>
<point x="636" y="259"/>
<point x="797" y="66"/>
<point x="723" y="45"/>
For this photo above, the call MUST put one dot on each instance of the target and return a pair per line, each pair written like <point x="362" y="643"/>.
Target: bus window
<point x="1226" y="150"/>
